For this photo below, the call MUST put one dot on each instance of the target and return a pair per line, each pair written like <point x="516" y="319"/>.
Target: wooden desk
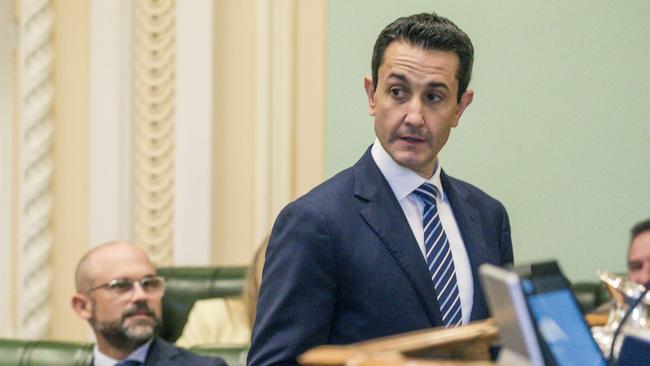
<point x="462" y="346"/>
<point x="467" y="343"/>
<point x="416" y="362"/>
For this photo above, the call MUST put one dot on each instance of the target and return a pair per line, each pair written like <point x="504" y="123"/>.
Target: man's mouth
<point x="139" y="313"/>
<point x="412" y="139"/>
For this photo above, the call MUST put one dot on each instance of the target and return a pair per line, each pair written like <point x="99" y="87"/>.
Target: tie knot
<point x="427" y="193"/>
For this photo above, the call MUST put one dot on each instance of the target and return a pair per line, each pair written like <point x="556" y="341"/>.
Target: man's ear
<point x="82" y="306"/>
<point x="465" y="101"/>
<point x="370" y="91"/>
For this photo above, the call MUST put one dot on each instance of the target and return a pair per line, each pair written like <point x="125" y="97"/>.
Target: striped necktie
<point x="439" y="258"/>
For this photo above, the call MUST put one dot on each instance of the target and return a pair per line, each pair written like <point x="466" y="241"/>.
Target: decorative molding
<point x="193" y="138"/>
<point x="274" y="112"/>
<point x="154" y="122"/>
<point x="6" y="166"/>
<point x="111" y="116"/>
<point x="35" y="166"/>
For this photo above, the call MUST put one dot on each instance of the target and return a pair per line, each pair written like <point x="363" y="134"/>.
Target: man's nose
<point x="138" y="292"/>
<point x="414" y="112"/>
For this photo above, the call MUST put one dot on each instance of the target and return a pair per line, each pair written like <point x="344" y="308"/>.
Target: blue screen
<point x="563" y="328"/>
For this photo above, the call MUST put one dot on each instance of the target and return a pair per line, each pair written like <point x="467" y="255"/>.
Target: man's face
<point x="415" y="104"/>
<point x="124" y="319"/>
<point x="639" y="259"/>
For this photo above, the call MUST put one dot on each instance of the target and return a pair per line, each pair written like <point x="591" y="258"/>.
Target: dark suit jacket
<point x="342" y="264"/>
<point x="162" y="353"/>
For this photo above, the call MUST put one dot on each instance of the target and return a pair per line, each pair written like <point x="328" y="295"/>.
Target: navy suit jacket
<point x="342" y="264"/>
<point x="162" y="353"/>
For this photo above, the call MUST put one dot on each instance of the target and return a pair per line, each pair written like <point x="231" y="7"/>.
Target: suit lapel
<point x="469" y="223"/>
<point x="386" y="218"/>
<point x="159" y="353"/>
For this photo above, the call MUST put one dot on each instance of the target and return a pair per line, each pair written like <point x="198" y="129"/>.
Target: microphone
<point x="636" y="302"/>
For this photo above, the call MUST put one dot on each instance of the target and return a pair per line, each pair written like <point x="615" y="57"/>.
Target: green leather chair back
<point x="52" y="353"/>
<point x="185" y="285"/>
<point x="234" y="356"/>
<point x="590" y="295"/>
<point x="44" y="353"/>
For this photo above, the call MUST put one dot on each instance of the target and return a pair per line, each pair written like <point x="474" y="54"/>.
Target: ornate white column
<point x="151" y="178"/>
<point x="35" y="56"/>
<point x="154" y="97"/>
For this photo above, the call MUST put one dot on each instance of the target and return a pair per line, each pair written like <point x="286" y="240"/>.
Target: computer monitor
<point x="519" y="344"/>
<point x="538" y="317"/>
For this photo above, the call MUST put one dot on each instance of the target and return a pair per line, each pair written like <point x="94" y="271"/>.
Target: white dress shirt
<point x="403" y="182"/>
<point x="140" y="354"/>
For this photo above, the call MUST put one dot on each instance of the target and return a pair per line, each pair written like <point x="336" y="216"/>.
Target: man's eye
<point x="634" y="266"/>
<point x="396" y="92"/>
<point x="151" y="283"/>
<point x="121" y="285"/>
<point x="432" y="97"/>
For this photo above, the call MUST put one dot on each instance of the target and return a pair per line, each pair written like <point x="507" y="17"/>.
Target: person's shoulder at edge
<point x="216" y="321"/>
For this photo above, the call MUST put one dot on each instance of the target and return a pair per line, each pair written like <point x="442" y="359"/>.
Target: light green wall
<point x="559" y="129"/>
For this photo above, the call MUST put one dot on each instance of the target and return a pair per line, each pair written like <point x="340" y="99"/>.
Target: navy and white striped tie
<point x="439" y="258"/>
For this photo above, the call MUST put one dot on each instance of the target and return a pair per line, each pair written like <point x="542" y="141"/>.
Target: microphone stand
<point x="610" y="359"/>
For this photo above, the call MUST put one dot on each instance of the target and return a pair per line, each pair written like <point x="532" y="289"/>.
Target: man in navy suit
<point x="119" y="294"/>
<point x="355" y="258"/>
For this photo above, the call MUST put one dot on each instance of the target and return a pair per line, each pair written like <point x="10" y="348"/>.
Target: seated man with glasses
<point x="119" y="294"/>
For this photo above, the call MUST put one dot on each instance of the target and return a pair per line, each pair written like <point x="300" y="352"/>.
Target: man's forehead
<point x="640" y="246"/>
<point x="404" y="58"/>
<point x="119" y="259"/>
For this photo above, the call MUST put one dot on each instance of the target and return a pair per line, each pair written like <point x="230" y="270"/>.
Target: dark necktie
<point x="439" y="258"/>
<point x="129" y="363"/>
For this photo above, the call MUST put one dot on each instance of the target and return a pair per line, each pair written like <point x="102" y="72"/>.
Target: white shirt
<point x="403" y="182"/>
<point x="140" y="354"/>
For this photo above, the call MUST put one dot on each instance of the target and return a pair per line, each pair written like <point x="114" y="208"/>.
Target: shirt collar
<point x="403" y="181"/>
<point x="140" y="354"/>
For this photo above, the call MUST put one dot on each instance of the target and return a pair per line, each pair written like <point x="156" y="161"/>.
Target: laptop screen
<point x="561" y="326"/>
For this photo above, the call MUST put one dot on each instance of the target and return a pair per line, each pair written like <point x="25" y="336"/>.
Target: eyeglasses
<point x="154" y="285"/>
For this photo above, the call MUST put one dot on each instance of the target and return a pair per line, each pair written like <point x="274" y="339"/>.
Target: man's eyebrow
<point x="394" y="75"/>
<point x="432" y="84"/>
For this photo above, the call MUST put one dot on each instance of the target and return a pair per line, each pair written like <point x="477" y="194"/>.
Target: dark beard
<point x="118" y="335"/>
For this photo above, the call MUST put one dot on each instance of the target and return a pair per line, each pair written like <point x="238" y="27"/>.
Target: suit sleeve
<point x="298" y="293"/>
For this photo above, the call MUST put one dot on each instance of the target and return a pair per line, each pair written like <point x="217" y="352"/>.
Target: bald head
<point x="100" y="261"/>
<point x="122" y="317"/>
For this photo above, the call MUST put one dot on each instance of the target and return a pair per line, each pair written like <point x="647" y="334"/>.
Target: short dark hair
<point x="431" y="32"/>
<point x="639" y="228"/>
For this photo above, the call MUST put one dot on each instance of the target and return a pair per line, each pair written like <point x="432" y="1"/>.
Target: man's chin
<point x="416" y="163"/>
<point x="140" y="332"/>
<point x="140" y="327"/>
<point x="127" y="336"/>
